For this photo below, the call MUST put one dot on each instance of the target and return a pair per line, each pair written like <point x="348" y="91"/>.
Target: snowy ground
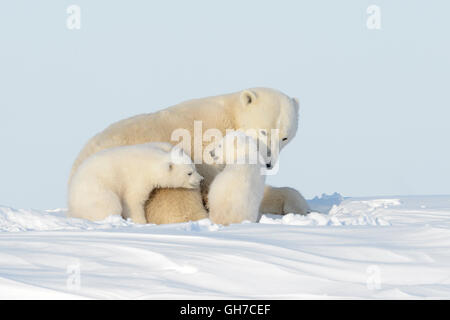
<point x="395" y="247"/>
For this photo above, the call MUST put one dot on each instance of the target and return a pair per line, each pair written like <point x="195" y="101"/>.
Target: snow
<point x="376" y="248"/>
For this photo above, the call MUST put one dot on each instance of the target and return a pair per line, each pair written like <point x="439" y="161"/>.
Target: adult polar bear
<point x="252" y="109"/>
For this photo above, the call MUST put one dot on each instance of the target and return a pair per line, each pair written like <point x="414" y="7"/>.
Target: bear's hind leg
<point x="95" y="206"/>
<point x="282" y="201"/>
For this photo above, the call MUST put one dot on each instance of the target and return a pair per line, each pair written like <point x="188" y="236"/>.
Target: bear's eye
<point x="190" y="174"/>
<point x="263" y="132"/>
<point x="284" y="139"/>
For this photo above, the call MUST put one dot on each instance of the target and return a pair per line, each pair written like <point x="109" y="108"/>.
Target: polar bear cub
<point x="236" y="192"/>
<point x="119" y="180"/>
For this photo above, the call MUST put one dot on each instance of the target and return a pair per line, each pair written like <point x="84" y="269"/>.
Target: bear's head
<point x="181" y="171"/>
<point x="269" y="116"/>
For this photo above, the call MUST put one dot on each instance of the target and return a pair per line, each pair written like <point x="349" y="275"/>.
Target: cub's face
<point x="270" y="117"/>
<point x="236" y="148"/>
<point x="185" y="175"/>
<point x="182" y="171"/>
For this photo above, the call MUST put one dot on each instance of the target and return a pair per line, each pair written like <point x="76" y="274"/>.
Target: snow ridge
<point x="380" y="247"/>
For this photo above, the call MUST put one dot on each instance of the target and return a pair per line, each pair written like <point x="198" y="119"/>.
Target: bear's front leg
<point x="282" y="201"/>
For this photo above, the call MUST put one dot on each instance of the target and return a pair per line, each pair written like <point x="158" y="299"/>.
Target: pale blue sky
<point x="375" y="104"/>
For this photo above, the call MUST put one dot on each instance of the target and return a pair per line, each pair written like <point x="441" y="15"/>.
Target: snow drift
<point x="394" y="247"/>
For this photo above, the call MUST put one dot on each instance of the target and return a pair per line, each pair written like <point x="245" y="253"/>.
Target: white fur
<point x="119" y="180"/>
<point x="256" y="108"/>
<point x="236" y="193"/>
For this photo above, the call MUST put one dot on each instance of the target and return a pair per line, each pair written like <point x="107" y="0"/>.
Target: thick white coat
<point x="236" y="193"/>
<point x="118" y="181"/>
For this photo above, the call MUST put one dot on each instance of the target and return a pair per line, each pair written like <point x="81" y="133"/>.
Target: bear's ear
<point x="296" y="103"/>
<point x="248" y="97"/>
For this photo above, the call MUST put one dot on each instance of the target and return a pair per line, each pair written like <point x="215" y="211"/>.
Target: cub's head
<point x="237" y="148"/>
<point x="181" y="170"/>
<point x="269" y="116"/>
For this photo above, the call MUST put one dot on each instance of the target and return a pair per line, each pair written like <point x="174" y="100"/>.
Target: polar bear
<point x="236" y="192"/>
<point x="256" y="108"/>
<point x="119" y="180"/>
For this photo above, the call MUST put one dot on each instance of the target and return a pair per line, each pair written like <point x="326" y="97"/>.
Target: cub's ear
<point x="248" y="97"/>
<point x="178" y="151"/>
<point x="176" y="154"/>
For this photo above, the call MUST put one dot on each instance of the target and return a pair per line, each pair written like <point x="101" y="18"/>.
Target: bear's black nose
<point x="269" y="165"/>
